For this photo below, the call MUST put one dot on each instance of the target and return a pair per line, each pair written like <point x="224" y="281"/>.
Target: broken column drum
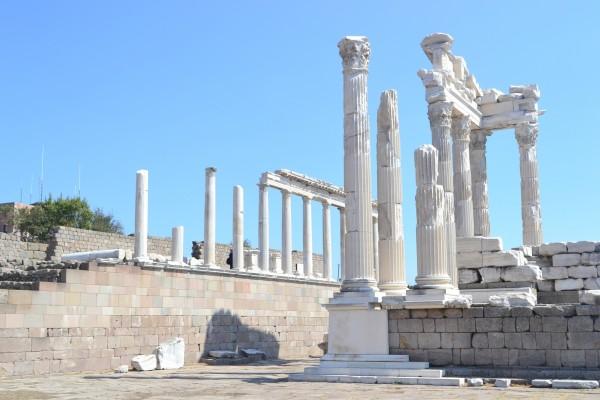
<point x="177" y="245"/>
<point x="390" y="243"/>
<point x="431" y="236"/>
<point x="358" y="260"/>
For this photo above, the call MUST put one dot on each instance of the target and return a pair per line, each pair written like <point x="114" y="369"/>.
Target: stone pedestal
<point x="251" y="260"/>
<point x="390" y="243"/>
<point x="210" y="209"/>
<point x="358" y="268"/>
<point x="263" y="227"/>
<point x="275" y="263"/>
<point x="357" y="331"/>
<point x="141" y="216"/>
<point x="481" y="215"/>
<point x="531" y="214"/>
<point x="238" y="229"/>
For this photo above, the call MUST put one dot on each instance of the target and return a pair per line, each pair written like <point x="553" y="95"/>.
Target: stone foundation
<point x="552" y="336"/>
<point x="99" y="318"/>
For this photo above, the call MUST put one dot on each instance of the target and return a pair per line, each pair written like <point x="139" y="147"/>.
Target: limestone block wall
<point x="565" y="336"/>
<point x="100" y="318"/>
<point x="18" y="252"/>
<point x="71" y="240"/>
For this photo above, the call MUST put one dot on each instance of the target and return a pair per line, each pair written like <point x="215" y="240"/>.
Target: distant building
<point x="7" y="215"/>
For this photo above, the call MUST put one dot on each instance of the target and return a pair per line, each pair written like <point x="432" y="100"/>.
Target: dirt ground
<point x="257" y="381"/>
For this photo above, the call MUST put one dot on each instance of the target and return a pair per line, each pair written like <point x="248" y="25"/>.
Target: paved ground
<point x="265" y="381"/>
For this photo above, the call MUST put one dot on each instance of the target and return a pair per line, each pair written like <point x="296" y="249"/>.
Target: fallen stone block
<point x="117" y="254"/>
<point x="171" y="354"/>
<point x="254" y="353"/>
<point x="475" y="382"/>
<point x="514" y="300"/>
<point x="502" y="383"/>
<point x="583" y="271"/>
<point x="550" y="249"/>
<point x="551" y="273"/>
<point x="146" y="362"/>
<point x="568" y="284"/>
<point x="541" y="383"/>
<point x="581" y="247"/>
<point x="122" y="369"/>
<point x="574" y="384"/>
<point x="566" y="260"/>
<point x="466" y="276"/>
<point x="525" y="273"/>
<point x="222" y="354"/>
<point x="510" y="258"/>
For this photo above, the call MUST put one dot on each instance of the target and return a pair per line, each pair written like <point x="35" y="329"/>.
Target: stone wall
<point x="100" y="318"/>
<point x="20" y="253"/>
<point x="552" y="336"/>
<point x="72" y="240"/>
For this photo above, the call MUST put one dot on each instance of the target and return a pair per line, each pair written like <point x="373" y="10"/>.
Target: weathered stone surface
<point x="555" y="272"/>
<point x="554" y="324"/>
<point x="469" y="260"/>
<point x="590" y="258"/>
<point x="566" y="260"/>
<point x="489" y="275"/>
<point x="144" y="362"/>
<point x="550" y="249"/>
<point x="466" y="276"/>
<point x="568" y="284"/>
<point x="514" y="300"/>
<point x="591" y="283"/>
<point x="580" y="323"/>
<point x="545" y="286"/>
<point x="581" y="247"/>
<point x="475" y="382"/>
<point x="504" y="259"/>
<point x="525" y="273"/>
<point x="583" y="340"/>
<point x="170" y="354"/>
<point x="589" y="297"/>
<point x="122" y="369"/>
<point x="491" y="244"/>
<point x="469" y="244"/>
<point x="502" y="383"/>
<point x="583" y="271"/>
<point x="574" y="384"/>
<point x="541" y="383"/>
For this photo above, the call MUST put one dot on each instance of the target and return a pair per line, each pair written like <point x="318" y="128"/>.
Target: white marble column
<point x="526" y="135"/>
<point x="376" y="248"/>
<point x="440" y="120"/>
<point x="355" y="51"/>
<point x="177" y="245"/>
<point x="238" y="228"/>
<point x="307" y="250"/>
<point x="210" y="206"/>
<point x="481" y="214"/>
<point x="141" y="216"/>
<point x="263" y="227"/>
<point x="327" y="252"/>
<point x="286" y="234"/>
<point x="463" y="197"/>
<point x="432" y="272"/>
<point x="392" y="278"/>
<point x="342" y="272"/>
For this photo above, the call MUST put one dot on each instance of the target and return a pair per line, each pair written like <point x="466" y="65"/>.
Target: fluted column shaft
<point x="526" y="135"/>
<point x="392" y="275"/>
<point x="263" y="227"/>
<point x="481" y="214"/>
<point x="238" y="228"/>
<point x="431" y="234"/>
<point x="307" y="251"/>
<point x="327" y="252"/>
<point x="359" y="274"/>
<point x="210" y="209"/>
<point x="376" y="248"/>
<point x="463" y="197"/>
<point x="286" y="234"/>
<point x="177" y="244"/>
<point x="342" y="243"/>
<point x="141" y="215"/>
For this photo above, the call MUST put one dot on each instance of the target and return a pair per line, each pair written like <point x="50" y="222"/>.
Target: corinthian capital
<point x="355" y="52"/>
<point x="461" y="127"/>
<point x="526" y="134"/>
<point x="440" y="113"/>
<point x="479" y="139"/>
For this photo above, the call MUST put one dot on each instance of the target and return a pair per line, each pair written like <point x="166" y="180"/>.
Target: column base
<point x="433" y="282"/>
<point x="359" y="285"/>
<point x="394" y="289"/>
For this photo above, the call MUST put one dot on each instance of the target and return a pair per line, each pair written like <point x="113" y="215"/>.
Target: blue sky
<point x="250" y="86"/>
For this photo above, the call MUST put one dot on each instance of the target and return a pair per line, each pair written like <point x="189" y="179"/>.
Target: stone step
<point x="375" y="364"/>
<point x="400" y="380"/>
<point x="365" y="357"/>
<point x="429" y="373"/>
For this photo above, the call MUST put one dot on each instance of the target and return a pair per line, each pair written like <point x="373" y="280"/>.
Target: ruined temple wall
<point x="100" y="318"/>
<point x="18" y="252"/>
<point x="552" y="336"/>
